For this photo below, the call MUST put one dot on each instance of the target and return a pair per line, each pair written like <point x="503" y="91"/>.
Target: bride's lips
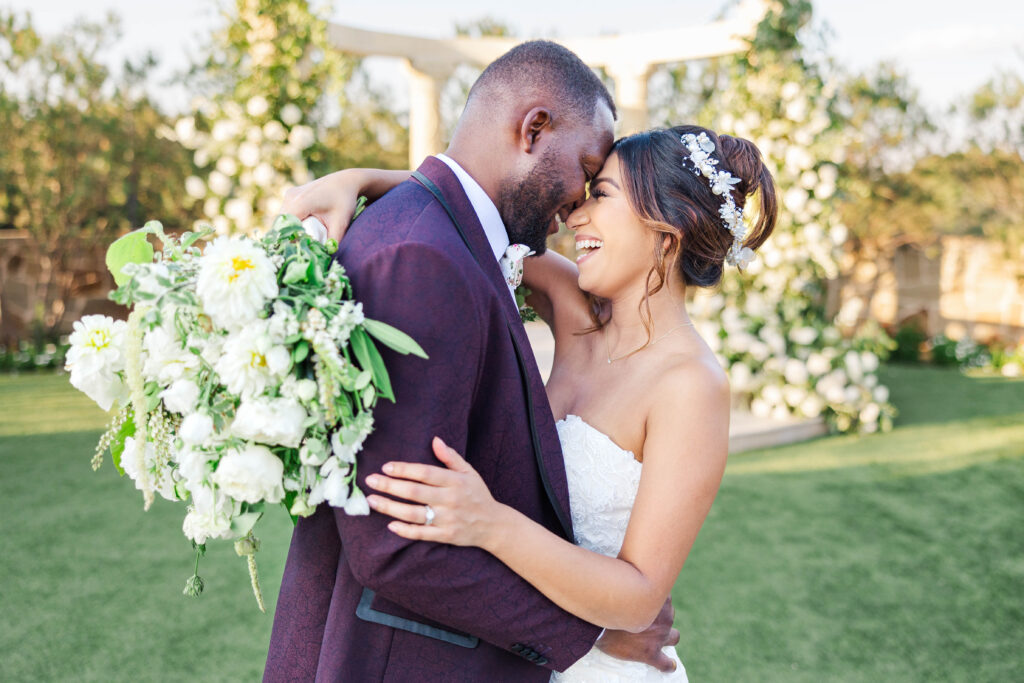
<point x="586" y="246"/>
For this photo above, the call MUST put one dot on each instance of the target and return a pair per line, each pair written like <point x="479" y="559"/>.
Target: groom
<point x="359" y="603"/>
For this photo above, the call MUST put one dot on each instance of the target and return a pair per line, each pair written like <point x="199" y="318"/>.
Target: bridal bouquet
<point x="245" y="374"/>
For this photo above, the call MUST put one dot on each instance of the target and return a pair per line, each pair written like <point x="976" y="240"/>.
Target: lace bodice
<point x="603" y="480"/>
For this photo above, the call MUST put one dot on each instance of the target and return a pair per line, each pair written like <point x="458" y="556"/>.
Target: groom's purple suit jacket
<point x="359" y="603"/>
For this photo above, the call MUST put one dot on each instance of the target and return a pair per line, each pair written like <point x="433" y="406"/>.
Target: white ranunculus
<point x="252" y="474"/>
<point x="160" y="476"/>
<point x="276" y="421"/>
<point x="209" y="516"/>
<point x="196" y="428"/>
<point x="250" y="361"/>
<point x="181" y="396"/>
<point x="236" y="278"/>
<point x="95" y="358"/>
<point x="166" y="360"/>
<point x="291" y="114"/>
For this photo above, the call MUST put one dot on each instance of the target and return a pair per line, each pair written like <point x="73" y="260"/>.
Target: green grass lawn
<point x="896" y="557"/>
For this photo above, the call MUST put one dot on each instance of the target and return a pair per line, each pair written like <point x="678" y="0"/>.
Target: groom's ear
<point x="536" y="123"/>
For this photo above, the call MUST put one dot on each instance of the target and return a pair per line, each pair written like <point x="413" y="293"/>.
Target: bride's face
<point x="614" y="250"/>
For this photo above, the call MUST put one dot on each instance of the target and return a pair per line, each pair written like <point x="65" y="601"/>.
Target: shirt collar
<point x="486" y="211"/>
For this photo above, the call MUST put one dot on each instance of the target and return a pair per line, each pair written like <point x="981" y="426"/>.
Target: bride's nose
<point x="577" y="219"/>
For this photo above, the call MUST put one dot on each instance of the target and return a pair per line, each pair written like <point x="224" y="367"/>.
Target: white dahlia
<point x="236" y="278"/>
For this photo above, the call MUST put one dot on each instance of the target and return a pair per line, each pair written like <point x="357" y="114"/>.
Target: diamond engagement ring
<point x="430" y="515"/>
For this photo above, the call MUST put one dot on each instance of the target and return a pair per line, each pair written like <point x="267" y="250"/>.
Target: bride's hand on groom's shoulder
<point x="449" y="504"/>
<point x="331" y="199"/>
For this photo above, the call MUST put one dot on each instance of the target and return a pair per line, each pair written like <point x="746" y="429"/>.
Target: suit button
<point x="517" y="647"/>
<point x="541" y="662"/>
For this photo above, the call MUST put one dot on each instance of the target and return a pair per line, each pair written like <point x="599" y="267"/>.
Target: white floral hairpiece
<point x="700" y="148"/>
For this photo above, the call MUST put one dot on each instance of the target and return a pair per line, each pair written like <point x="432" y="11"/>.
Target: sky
<point x="946" y="51"/>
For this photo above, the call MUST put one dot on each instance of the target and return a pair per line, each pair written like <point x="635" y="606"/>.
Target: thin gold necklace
<point x="608" y="351"/>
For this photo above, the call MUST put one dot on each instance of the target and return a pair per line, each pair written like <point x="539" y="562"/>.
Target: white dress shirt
<point x="486" y="211"/>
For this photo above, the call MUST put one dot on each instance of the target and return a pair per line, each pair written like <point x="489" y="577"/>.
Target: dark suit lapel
<point x="549" y="457"/>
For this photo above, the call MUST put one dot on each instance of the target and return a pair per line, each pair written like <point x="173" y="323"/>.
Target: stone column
<point x="425" y="83"/>
<point x="630" y="95"/>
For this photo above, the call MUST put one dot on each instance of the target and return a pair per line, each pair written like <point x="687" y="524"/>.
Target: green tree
<point x="82" y="159"/>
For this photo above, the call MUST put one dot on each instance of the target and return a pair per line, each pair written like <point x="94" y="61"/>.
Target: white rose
<point x="193" y="466"/>
<point x="195" y="187"/>
<point x="277" y="421"/>
<point x="252" y="475"/>
<point x="870" y="413"/>
<point x="818" y="364"/>
<point x="803" y="335"/>
<point x="812" y="406"/>
<point x="196" y="428"/>
<point x="869" y="361"/>
<point x="181" y="396"/>
<point x="167" y="360"/>
<point x="880" y="393"/>
<point x="257" y="106"/>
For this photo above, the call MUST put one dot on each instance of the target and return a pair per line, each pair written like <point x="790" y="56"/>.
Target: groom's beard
<point x="528" y="205"/>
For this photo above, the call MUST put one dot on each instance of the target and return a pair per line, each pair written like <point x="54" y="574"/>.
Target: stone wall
<point x="22" y="304"/>
<point x="961" y="286"/>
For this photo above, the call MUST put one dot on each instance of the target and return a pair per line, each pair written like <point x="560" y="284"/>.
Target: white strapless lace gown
<point x="603" y="481"/>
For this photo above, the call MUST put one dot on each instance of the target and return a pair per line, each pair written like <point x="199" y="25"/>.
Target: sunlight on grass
<point x="38" y="403"/>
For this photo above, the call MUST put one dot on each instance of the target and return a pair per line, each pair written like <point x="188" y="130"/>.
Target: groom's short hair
<point x="541" y="65"/>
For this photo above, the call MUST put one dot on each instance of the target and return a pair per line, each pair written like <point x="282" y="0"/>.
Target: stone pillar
<point x="425" y="83"/>
<point x="631" y="95"/>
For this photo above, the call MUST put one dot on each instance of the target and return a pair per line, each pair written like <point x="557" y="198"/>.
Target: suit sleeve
<point x="421" y="291"/>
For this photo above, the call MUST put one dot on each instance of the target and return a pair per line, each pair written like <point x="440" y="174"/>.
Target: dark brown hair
<point x="669" y="196"/>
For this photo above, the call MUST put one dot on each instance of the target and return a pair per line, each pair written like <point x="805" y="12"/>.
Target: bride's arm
<point x="684" y="458"/>
<point x="332" y="199"/>
<point x="555" y="294"/>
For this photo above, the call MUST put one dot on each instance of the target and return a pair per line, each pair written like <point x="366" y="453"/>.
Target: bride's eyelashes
<point x="597" y="193"/>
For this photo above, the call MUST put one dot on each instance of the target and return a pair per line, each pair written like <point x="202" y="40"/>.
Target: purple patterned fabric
<point x="410" y="269"/>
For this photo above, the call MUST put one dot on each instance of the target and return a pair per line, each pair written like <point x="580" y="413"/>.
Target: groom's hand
<point x="645" y="646"/>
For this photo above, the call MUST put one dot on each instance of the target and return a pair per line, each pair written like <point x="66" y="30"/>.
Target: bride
<point x="643" y="402"/>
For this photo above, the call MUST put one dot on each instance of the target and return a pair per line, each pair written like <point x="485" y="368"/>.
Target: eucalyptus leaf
<point x="393" y="338"/>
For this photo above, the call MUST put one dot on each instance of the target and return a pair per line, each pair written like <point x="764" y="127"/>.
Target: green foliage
<point x="82" y="159"/>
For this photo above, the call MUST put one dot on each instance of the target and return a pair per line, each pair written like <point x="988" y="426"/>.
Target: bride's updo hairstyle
<point x="669" y="195"/>
<point x="666" y="192"/>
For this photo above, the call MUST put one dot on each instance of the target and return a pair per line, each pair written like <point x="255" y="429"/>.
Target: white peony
<point x="95" y="358"/>
<point x="250" y="361"/>
<point x="275" y="421"/>
<point x="236" y="277"/>
<point x="252" y="474"/>
<point x="181" y="396"/>
<point x="196" y="428"/>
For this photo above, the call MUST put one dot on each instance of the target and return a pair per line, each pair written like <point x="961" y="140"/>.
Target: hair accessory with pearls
<point x="700" y="148"/>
